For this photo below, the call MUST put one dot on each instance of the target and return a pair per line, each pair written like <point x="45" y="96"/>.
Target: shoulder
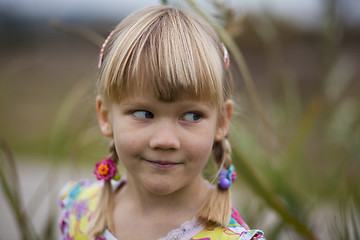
<point x="237" y="229"/>
<point x="80" y="189"/>
<point x="238" y="225"/>
<point x="77" y="201"/>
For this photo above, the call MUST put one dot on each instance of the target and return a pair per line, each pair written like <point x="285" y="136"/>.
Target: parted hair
<point x="172" y="52"/>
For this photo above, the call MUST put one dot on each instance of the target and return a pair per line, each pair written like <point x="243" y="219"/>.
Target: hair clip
<point x="226" y="56"/>
<point x="226" y="177"/>
<point x="103" y="47"/>
<point x="106" y="170"/>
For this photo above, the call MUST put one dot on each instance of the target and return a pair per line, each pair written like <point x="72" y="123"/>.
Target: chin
<point x="162" y="188"/>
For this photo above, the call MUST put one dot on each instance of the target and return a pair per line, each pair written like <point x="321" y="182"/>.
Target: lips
<point x="162" y="164"/>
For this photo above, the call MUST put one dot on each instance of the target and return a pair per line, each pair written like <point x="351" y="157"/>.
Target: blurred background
<point x="295" y="135"/>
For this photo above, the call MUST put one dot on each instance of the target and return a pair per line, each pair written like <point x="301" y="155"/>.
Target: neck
<point x="185" y="201"/>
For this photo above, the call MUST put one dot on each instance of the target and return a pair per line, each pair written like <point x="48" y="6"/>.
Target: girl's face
<point x="163" y="145"/>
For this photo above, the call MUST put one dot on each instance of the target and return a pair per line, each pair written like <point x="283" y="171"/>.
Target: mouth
<point x="162" y="164"/>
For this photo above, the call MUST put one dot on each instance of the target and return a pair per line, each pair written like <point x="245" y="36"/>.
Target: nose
<point x="165" y="136"/>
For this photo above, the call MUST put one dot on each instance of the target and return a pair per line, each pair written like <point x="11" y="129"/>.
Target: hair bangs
<point x="171" y="55"/>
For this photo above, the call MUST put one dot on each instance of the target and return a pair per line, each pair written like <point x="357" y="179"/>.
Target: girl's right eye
<point x="143" y="114"/>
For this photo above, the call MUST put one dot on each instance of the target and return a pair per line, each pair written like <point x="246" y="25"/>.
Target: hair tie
<point x="226" y="177"/>
<point x="226" y="56"/>
<point x="103" y="47"/>
<point x="106" y="170"/>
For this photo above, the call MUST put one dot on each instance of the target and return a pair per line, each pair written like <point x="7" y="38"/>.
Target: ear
<point x="224" y="122"/>
<point x="103" y="115"/>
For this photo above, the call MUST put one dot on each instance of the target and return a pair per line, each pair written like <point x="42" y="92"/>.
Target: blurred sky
<point x="307" y="13"/>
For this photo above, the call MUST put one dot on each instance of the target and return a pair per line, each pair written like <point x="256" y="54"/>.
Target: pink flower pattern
<point x="80" y="209"/>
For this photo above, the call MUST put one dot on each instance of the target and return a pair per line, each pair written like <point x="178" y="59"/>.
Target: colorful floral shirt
<point x="78" y="201"/>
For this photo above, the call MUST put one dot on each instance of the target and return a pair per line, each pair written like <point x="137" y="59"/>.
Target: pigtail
<point x="102" y="217"/>
<point x="217" y="208"/>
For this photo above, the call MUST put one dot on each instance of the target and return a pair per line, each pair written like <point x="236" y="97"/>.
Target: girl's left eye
<point x="143" y="114"/>
<point x="192" y="117"/>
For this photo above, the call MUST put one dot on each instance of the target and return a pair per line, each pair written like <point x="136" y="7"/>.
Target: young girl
<point x="165" y="102"/>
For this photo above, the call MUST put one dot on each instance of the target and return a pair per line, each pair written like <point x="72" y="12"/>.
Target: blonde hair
<point x="173" y="53"/>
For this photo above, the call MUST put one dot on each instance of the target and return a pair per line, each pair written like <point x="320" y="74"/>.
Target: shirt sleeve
<point x="77" y="202"/>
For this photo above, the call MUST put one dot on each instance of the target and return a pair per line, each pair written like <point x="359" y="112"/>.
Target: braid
<point x="217" y="208"/>
<point x="112" y="152"/>
<point x="103" y="214"/>
<point x="222" y="154"/>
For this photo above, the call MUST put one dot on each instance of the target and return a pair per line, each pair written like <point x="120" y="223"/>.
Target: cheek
<point x="202" y="142"/>
<point x="127" y="144"/>
<point x="200" y="149"/>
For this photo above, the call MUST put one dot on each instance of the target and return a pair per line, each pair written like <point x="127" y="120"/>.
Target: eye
<point x="143" y="114"/>
<point x="192" y="117"/>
